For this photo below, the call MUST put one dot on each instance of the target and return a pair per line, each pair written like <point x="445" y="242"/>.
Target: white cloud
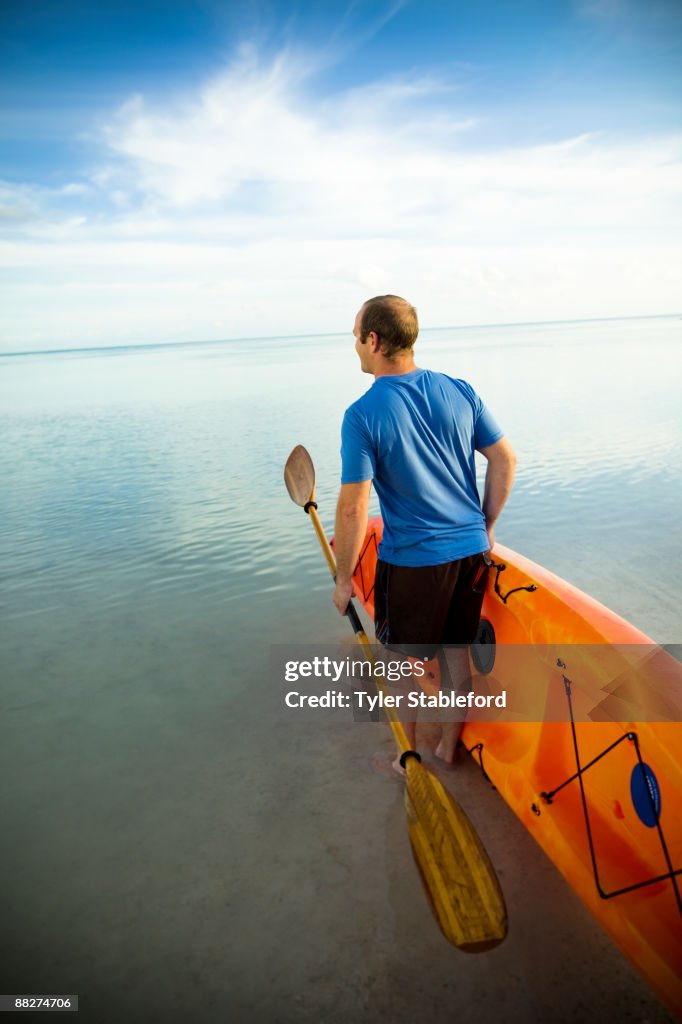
<point x="259" y="204"/>
<point x="377" y="160"/>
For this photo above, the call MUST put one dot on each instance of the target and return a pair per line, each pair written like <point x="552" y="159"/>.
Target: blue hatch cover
<point x="646" y="795"/>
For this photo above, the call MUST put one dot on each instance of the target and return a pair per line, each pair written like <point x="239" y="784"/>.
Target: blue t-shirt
<point x="415" y="435"/>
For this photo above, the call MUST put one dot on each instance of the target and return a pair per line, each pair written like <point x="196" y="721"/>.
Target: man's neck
<point x="395" y="367"/>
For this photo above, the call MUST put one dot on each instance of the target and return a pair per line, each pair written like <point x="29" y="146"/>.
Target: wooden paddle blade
<point x="458" y="876"/>
<point x="299" y="476"/>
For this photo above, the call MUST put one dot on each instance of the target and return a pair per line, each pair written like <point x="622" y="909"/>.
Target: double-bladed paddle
<point x="458" y="876"/>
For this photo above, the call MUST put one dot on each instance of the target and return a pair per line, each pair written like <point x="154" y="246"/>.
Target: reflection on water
<point x="133" y="474"/>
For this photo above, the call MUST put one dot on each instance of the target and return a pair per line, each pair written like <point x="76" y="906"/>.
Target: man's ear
<point x="375" y="344"/>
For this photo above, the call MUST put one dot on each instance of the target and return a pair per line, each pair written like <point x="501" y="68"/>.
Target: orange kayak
<point x="602" y="797"/>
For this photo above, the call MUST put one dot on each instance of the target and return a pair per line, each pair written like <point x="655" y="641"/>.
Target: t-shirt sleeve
<point x="486" y="428"/>
<point x="358" y="461"/>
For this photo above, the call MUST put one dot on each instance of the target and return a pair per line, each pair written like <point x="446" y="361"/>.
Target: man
<point x="414" y="434"/>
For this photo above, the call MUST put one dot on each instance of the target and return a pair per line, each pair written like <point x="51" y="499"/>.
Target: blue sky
<point x="182" y="171"/>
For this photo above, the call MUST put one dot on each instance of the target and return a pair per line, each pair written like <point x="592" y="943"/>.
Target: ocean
<point x="158" y="831"/>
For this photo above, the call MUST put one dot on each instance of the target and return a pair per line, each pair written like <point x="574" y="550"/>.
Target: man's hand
<point x="491" y="538"/>
<point x="342" y="595"/>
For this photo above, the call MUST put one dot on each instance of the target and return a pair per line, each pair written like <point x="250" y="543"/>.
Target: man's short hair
<point x="394" y="320"/>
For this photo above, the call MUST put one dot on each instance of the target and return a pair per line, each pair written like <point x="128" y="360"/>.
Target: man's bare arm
<point x="499" y="478"/>
<point x="351" y="526"/>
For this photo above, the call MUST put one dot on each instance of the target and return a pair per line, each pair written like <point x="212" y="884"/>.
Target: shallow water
<point x="150" y="555"/>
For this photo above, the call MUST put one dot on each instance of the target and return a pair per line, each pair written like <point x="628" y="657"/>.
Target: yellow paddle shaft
<point x="396" y="725"/>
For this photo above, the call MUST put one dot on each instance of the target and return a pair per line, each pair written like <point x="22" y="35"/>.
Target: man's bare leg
<point x="454" y="664"/>
<point x="447" y="748"/>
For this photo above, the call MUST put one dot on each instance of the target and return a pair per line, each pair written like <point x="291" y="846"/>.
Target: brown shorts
<point x="419" y="609"/>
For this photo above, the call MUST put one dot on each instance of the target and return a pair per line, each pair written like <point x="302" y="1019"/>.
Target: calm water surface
<point x="149" y="555"/>
<point x="144" y="485"/>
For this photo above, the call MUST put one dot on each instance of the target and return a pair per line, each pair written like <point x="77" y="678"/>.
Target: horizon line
<point x="317" y="334"/>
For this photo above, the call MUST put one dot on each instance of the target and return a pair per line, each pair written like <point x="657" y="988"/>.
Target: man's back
<point x="415" y="434"/>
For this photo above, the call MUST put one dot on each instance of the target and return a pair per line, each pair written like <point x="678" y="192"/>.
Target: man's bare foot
<point x="387" y="767"/>
<point x="447" y="751"/>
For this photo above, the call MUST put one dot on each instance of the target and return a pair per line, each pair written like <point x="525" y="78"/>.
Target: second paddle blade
<point x="458" y="876"/>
